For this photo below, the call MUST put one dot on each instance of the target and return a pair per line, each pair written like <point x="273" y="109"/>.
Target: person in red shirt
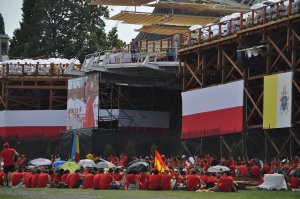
<point x="294" y="182"/>
<point x="88" y="180"/>
<point x="1" y="178"/>
<point x="211" y="180"/>
<point x="44" y="179"/>
<point x="27" y="179"/>
<point x="106" y="180"/>
<point x="255" y="171"/>
<point x="243" y="170"/>
<point x="132" y="181"/>
<point x="225" y="183"/>
<point x="17" y="177"/>
<point x="193" y="181"/>
<point x="166" y="179"/>
<point x="64" y="176"/>
<point x="154" y="180"/>
<point x="144" y="179"/>
<point x="7" y="156"/>
<point x="117" y="176"/>
<point x="35" y="178"/>
<point x="75" y="179"/>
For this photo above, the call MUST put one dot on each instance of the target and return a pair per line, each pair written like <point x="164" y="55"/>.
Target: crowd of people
<point x="184" y="173"/>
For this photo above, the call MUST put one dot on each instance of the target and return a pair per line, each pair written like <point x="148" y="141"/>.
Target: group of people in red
<point x="181" y="173"/>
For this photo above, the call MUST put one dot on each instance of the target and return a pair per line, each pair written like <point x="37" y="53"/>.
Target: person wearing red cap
<point x="7" y="155"/>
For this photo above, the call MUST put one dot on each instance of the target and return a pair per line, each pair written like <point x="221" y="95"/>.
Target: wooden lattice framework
<point x="215" y="61"/>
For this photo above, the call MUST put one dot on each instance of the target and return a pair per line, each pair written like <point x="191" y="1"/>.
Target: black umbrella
<point x="134" y="161"/>
<point x="138" y="166"/>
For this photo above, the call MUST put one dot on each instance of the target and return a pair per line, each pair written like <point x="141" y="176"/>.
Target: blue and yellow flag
<point x="75" y="155"/>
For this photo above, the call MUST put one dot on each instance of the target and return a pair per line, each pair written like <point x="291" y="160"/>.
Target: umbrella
<point x="138" y="166"/>
<point x="225" y="18"/>
<point x="195" y="27"/>
<point x="102" y="165"/>
<point x="71" y="166"/>
<point x="100" y="160"/>
<point x="40" y="162"/>
<point x="86" y="163"/>
<point x="137" y="160"/>
<point x="217" y="168"/>
<point x="257" y="6"/>
<point x="58" y="163"/>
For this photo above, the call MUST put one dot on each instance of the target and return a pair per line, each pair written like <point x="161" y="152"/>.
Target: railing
<point x="222" y="29"/>
<point x="225" y="28"/>
<point x="9" y="69"/>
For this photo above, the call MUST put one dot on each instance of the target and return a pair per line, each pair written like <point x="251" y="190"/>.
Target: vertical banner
<point x="82" y="105"/>
<point x="213" y="111"/>
<point x="277" y="111"/>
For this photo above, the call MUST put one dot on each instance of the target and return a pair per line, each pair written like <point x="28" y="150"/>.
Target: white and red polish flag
<point x="212" y="111"/>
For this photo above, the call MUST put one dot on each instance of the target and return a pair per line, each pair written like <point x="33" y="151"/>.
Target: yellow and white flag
<point x="277" y="101"/>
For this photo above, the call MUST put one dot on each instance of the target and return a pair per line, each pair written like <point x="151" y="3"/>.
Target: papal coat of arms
<point x="284" y="101"/>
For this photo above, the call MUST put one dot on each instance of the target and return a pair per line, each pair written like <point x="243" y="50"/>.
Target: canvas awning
<point x="163" y="30"/>
<point x="120" y="2"/>
<point x="143" y="18"/>
<point x="209" y="8"/>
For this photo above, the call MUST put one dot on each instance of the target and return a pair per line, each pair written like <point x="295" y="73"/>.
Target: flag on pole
<point x="278" y="101"/>
<point x="75" y="148"/>
<point x="159" y="164"/>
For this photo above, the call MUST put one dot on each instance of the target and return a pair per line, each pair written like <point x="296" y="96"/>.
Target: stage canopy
<point x="163" y="30"/>
<point x="120" y="2"/>
<point x="144" y="18"/>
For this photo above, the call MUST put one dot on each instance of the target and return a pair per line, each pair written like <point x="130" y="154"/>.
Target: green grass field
<point x="18" y="193"/>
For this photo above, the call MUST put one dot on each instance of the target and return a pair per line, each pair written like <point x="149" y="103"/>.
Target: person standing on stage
<point x="7" y="156"/>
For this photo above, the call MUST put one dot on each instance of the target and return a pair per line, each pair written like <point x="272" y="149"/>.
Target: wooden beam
<point x="193" y="74"/>
<point x="37" y="87"/>
<point x="226" y="144"/>
<point x="186" y="148"/>
<point x="253" y="102"/>
<point x="258" y="100"/>
<point x="233" y="63"/>
<point x="293" y="134"/>
<point x="279" y="51"/>
<point x="272" y="142"/>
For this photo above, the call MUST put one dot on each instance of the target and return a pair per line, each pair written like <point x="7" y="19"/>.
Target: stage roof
<point x="144" y="18"/>
<point x="163" y="30"/>
<point x="120" y="2"/>
<point x="208" y="8"/>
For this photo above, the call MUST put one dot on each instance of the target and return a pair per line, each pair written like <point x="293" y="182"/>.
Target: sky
<point x="11" y="11"/>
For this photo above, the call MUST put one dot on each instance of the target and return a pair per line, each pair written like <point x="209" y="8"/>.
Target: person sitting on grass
<point x="225" y="183"/>
<point x="154" y="180"/>
<point x="132" y="181"/>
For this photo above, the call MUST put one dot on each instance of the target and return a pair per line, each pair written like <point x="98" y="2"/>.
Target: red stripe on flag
<point x="31" y="131"/>
<point x="212" y="123"/>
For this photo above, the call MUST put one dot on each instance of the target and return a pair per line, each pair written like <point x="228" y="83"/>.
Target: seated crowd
<point x="182" y="174"/>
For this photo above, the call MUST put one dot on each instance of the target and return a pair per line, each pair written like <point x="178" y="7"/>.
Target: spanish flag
<point x="75" y="156"/>
<point x="159" y="164"/>
<point x="277" y="101"/>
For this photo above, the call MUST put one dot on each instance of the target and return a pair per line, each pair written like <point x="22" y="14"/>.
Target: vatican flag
<point x="277" y="101"/>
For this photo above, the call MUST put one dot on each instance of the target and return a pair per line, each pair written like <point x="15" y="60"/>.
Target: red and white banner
<point x="212" y="111"/>
<point x="32" y="123"/>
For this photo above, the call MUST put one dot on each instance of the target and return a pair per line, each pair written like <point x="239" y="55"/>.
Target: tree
<point x="63" y="28"/>
<point x="113" y="39"/>
<point x="2" y="27"/>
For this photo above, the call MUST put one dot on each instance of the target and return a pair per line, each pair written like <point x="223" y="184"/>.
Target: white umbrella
<point x="225" y="18"/>
<point x="195" y="27"/>
<point x="86" y="163"/>
<point x="257" y="6"/>
<point x="235" y="15"/>
<point x="102" y="165"/>
<point x="40" y="162"/>
<point x="217" y="168"/>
